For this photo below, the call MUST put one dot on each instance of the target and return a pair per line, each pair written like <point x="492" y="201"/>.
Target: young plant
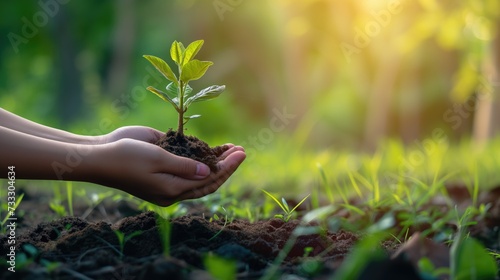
<point x="122" y="239"/>
<point x="284" y="206"/>
<point x="217" y="218"/>
<point x="178" y="92"/>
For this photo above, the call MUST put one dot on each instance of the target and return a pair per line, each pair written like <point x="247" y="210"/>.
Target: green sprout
<point x="122" y="239"/>
<point x="178" y="92"/>
<point x="284" y="206"/>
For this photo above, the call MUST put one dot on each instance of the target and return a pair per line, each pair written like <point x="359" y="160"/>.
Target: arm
<point x="16" y="123"/>
<point x="137" y="167"/>
<point x="34" y="157"/>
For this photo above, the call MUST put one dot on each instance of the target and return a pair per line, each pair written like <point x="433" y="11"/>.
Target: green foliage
<point x="164" y="225"/>
<point x="178" y="92"/>
<point x="428" y="271"/>
<point x="220" y="268"/>
<point x="56" y="204"/>
<point x="217" y="218"/>
<point x="69" y="193"/>
<point x="470" y="260"/>
<point x="284" y="206"/>
<point x="59" y="209"/>
<point x="30" y="254"/>
<point x="122" y="238"/>
<point x="365" y="251"/>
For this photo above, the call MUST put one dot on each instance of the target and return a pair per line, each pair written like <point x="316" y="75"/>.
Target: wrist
<point x="93" y="164"/>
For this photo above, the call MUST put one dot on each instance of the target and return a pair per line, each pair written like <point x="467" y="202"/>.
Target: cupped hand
<point x="153" y="174"/>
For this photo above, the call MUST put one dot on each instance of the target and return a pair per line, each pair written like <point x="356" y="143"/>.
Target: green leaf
<point x="470" y="260"/>
<point x="173" y="90"/>
<point x="285" y="204"/>
<point x="364" y="252"/>
<point x="194" y="70"/>
<point x="177" y="52"/>
<point x="298" y="204"/>
<point x="426" y="267"/>
<point x="162" y="67"/>
<point x="307" y="230"/>
<point x="191" y="51"/>
<point x="121" y="236"/>
<point x="164" y="96"/>
<point x="30" y="249"/>
<point x="353" y="208"/>
<point x="132" y="235"/>
<point x="318" y="213"/>
<point x="280" y="216"/>
<point x="275" y="200"/>
<point x="220" y="268"/>
<point x="205" y="94"/>
<point x="386" y="222"/>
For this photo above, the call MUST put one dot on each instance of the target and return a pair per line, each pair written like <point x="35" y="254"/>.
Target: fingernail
<point x="202" y="170"/>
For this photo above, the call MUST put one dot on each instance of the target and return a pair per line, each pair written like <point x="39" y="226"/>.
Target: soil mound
<point x="191" y="147"/>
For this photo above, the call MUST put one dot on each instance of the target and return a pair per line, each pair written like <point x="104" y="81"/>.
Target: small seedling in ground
<point x="217" y="218"/>
<point x="284" y="206"/>
<point x="69" y="193"/>
<point x="122" y="239"/>
<point x="180" y="95"/>
<point x="58" y="209"/>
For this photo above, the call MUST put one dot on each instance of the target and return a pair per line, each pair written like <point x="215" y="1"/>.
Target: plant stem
<point x="180" y="124"/>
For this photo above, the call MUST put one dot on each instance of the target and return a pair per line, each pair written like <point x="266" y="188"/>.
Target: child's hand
<point x="151" y="173"/>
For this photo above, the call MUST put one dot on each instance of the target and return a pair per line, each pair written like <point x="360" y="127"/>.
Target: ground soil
<point x="191" y="147"/>
<point x="89" y="248"/>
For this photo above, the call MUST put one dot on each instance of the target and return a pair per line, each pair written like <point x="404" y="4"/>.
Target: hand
<point x="153" y="174"/>
<point x="141" y="133"/>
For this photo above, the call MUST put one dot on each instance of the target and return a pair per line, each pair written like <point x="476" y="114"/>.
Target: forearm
<point x="17" y="123"/>
<point x="39" y="158"/>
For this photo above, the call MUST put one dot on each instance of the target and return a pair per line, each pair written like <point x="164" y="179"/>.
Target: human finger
<point x="183" y="167"/>
<point x="226" y="169"/>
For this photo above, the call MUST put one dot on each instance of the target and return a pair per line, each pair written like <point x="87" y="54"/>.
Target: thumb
<point x="184" y="167"/>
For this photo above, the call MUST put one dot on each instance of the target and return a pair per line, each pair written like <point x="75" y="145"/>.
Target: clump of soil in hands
<point x="192" y="147"/>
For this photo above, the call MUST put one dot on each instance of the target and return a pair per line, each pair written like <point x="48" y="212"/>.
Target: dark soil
<point x="89" y="248"/>
<point x="92" y="249"/>
<point x="191" y="147"/>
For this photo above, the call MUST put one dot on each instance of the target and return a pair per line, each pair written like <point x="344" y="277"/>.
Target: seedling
<point x="178" y="92"/>
<point x="122" y="239"/>
<point x="59" y="209"/>
<point x="284" y="206"/>
<point x="217" y="218"/>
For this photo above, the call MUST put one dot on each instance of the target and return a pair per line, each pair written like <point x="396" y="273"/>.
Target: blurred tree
<point x="395" y="80"/>
<point x="69" y="98"/>
<point x="471" y="27"/>
<point x="122" y="47"/>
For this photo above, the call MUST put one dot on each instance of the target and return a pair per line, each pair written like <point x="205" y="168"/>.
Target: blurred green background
<point x="348" y="74"/>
